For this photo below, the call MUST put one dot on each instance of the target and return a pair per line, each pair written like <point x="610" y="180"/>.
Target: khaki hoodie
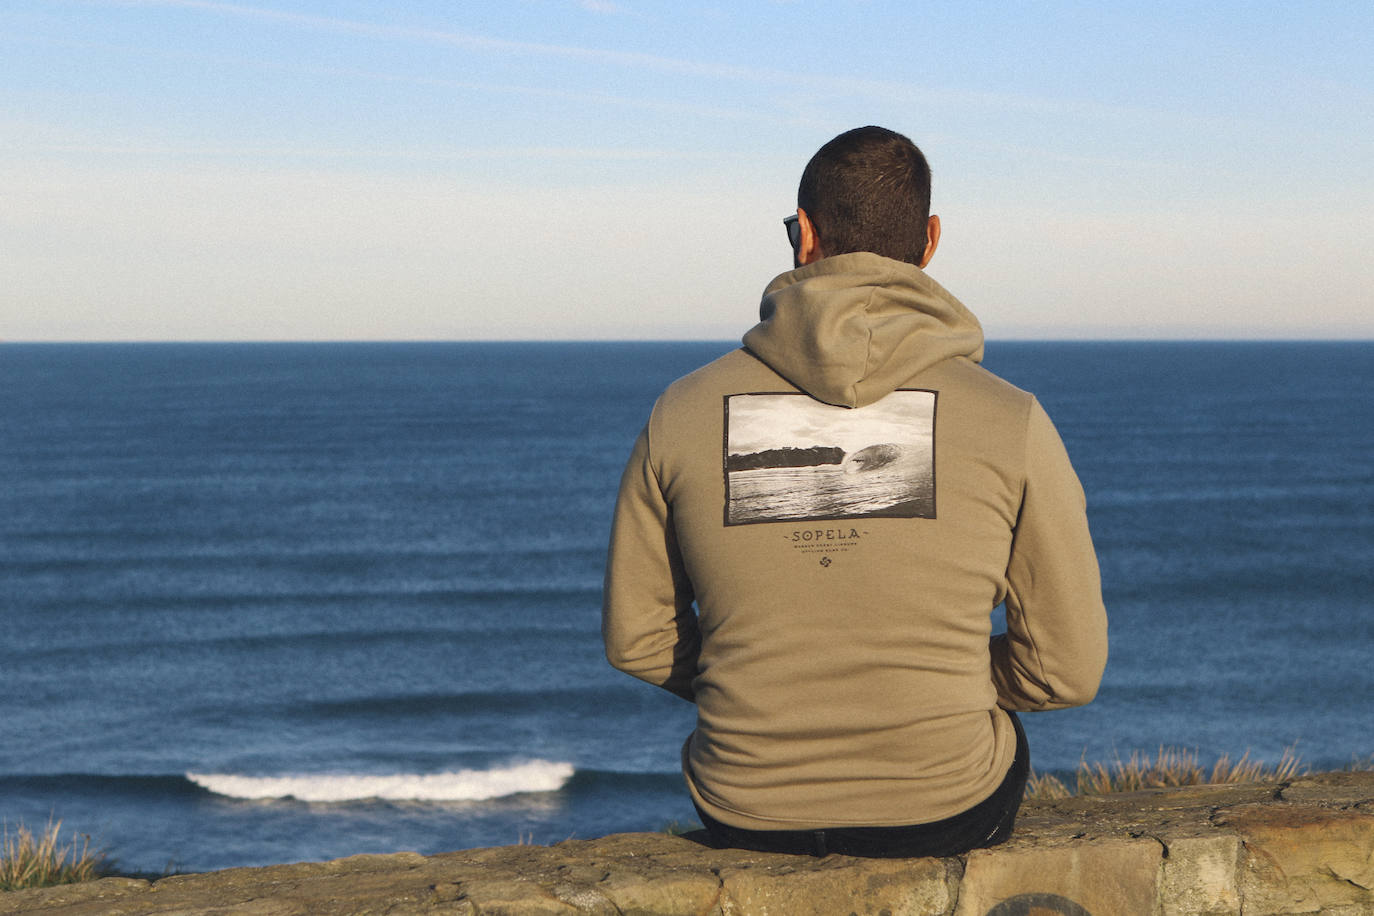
<point x="810" y="537"/>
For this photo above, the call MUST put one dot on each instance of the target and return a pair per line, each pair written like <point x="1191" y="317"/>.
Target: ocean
<point x="280" y="602"/>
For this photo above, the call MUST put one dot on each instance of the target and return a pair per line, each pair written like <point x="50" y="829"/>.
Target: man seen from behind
<point x="813" y="531"/>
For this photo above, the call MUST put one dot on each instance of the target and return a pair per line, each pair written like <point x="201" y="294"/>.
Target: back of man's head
<point x="868" y="190"/>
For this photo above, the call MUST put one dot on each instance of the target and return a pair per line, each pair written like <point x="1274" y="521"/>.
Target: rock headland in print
<point x="789" y="457"/>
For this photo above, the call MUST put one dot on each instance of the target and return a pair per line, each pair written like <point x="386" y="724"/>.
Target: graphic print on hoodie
<point x="791" y="457"/>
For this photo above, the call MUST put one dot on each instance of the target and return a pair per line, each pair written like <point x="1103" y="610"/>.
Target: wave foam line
<point x="460" y="785"/>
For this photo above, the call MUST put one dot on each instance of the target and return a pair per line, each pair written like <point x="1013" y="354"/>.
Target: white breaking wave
<point x="459" y="785"/>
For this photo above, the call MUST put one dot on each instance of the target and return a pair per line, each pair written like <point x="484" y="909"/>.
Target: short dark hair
<point x="868" y="190"/>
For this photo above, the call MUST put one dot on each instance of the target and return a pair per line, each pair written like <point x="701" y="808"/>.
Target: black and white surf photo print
<point x="789" y="457"/>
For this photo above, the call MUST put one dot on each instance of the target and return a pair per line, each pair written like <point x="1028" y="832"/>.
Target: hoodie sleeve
<point x="647" y="620"/>
<point x="1055" y="648"/>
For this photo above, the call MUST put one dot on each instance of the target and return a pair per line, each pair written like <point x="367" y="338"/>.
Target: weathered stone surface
<point x="1345" y="790"/>
<point x="106" y="895"/>
<point x="1200" y="876"/>
<point x="836" y="884"/>
<point x="1303" y="847"/>
<point x="1104" y="876"/>
<point x="1303" y="859"/>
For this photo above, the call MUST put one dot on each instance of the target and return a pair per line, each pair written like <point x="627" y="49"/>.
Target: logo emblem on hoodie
<point x="789" y="457"/>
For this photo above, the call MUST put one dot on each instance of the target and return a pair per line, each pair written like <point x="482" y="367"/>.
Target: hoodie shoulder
<point x="694" y="403"/>
<point x="736" y="372"/>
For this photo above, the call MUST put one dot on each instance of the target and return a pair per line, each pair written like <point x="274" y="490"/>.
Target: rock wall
<point x="1305" y="846"/>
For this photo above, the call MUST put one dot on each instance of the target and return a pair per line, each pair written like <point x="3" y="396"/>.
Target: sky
<point x="619" y="169"/>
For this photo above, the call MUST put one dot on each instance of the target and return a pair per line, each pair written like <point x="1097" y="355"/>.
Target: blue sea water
<point x="280" y="602"/>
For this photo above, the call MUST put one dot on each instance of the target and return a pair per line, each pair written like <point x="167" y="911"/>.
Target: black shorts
<point x="985" y="824"/>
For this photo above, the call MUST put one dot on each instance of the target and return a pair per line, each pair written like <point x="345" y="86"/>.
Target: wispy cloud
<point x="887" y="90"/>
<point x="145" y="151"/>
<point x="464" y="39"/>
<point x="38" y="137"/>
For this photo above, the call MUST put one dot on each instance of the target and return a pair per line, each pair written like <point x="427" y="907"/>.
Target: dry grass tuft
<point x="42" y="861"/>
<point x="1170" y="767"/>
<point x="1045" y="787"/>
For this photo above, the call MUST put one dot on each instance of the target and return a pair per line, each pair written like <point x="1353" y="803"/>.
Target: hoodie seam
<point x="649" y="449"/>
<point x="868" y="328"/>
<point x="1042" y="671"/>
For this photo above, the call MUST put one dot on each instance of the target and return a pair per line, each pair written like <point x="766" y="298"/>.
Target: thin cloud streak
<point x="403" y="155"/>
<point x="465" y="40"/>
<point x="733" y="113"/>
<point x="885" y="89"/>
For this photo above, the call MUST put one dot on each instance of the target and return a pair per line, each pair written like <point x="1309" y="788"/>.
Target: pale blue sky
<point x="295" y="169"/>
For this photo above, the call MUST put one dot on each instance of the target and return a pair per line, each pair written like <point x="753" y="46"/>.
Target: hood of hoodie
<point x="850" y="329"/>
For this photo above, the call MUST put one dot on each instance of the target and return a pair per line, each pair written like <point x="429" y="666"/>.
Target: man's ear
<point x="932" y="239"/>
<point x="810" y="247"/>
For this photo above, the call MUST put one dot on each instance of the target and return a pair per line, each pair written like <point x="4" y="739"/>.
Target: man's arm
<point x="1055" y="648"/>
<point x="647" y="620"/>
